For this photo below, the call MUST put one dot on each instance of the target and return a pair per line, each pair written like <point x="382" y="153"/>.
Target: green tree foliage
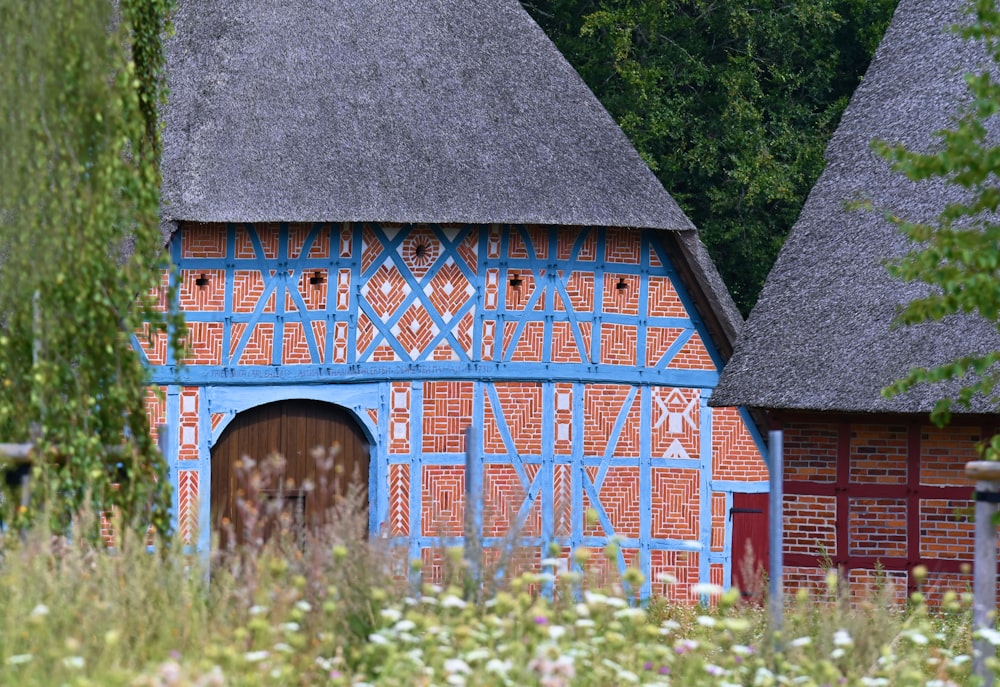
<point x="81" y="248"/>
<point x="958" y="254"/>
<point x="731" y="102"/>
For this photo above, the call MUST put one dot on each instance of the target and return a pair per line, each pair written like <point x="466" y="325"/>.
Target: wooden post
<point x="473" y="525"/>
<point x="776" y="559"/>
<point x="984" y="586"/>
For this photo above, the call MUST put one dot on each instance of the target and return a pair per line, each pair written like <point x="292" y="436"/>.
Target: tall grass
<point x="330" y="606"/>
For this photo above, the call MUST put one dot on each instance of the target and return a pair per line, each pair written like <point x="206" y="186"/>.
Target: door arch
<point x="325" y="452"/>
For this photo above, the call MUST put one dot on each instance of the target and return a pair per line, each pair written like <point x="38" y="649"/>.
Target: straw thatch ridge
<point x="378" y="110"/>
<point x="821" y="336"/>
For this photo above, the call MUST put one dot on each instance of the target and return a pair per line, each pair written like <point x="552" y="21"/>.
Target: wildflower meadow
<point x="335" y="607"/>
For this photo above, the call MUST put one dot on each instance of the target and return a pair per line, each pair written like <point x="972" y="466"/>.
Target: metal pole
<point x="473" y="525"/>
<point x="984" y="590"/>
<point x="776" y="559"/>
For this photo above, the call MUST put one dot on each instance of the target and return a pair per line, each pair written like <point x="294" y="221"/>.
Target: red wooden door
<point x="323" y="452"/>
<point x="750" y="542"/>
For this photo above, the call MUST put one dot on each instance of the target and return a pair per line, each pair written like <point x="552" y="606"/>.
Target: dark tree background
<point x="731" y="102"/>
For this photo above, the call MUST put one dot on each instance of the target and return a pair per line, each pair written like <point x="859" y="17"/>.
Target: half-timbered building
<point x="394" y="220"/>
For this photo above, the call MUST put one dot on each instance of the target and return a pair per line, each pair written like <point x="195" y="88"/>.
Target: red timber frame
<point x="911" y="492"/>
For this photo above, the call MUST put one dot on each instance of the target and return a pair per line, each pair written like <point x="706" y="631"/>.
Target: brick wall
<point x="877" y="496"/>
<point x="572" y="350"/>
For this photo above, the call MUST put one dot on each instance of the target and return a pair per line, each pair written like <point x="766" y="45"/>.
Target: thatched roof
<point x="421" y="111"/>
<point x="378" y="110"/>
<point x="821" y="336"/>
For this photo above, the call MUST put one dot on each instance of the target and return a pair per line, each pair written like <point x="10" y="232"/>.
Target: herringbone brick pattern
<point x="521" y="407"/>
<point x="734" y="453"/>
<point x="693" y="356"/>
<point x="203" y="343"/>
<point x="663" y="298"/>
<point x="621" y="293"/>
<point x="187" y="504"/>
<point x="209" y="297"/>
<point x="399" y="500"/>
<point x="618" y="344"/>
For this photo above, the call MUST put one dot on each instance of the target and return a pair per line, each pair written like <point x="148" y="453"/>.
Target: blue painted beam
<point x="192" y="375"/>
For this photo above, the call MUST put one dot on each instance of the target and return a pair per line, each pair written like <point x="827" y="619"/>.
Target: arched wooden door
<point x="324" y="449"/>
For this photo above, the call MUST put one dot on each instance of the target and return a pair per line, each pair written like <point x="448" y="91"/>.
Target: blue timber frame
<point x="361" y="383"/>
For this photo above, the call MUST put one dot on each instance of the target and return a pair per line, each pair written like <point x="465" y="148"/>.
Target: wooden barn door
<point x="322" y="446"/>
<point x="750" y="542"/>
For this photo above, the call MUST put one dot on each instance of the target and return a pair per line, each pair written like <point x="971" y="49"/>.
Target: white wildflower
<point x="452" y="601"/>
<point x="390" y="614"/>
<point x="989" y="634"/>
<point x="18" y="659"/>
<point x="377" y="639"/>
<point x="556" y="631"/>
<point x="842" y="638"/>
<point x="405" y="625"/>
<point x="801" y="641"/>
<point x="289" y="627"/>
<point x="255" y="656"/>
<point x="73" y="662"/>
<point x="498" y="667"/>
<point x="303" y="606"/>
<point x="39" y="611"/>
<point x="284" y="648"/>
<point x="916" y="637"/>
<point x="706" y="621"/>
<point x="584" y="622"/>
<point x="258" y="610"/>
<point x="630" y="613"/>
<point x="456" y="665"/>
<point x="837" y="653"/>
<point x="874" y="681"/>
<point x="701" y="589"/>
<point x="714" y="670"/>
<point x="477" y="655"/>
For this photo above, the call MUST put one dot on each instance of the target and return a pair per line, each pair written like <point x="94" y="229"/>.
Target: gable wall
<point x="589" y="397"/>
<point x="877" y="496"/>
